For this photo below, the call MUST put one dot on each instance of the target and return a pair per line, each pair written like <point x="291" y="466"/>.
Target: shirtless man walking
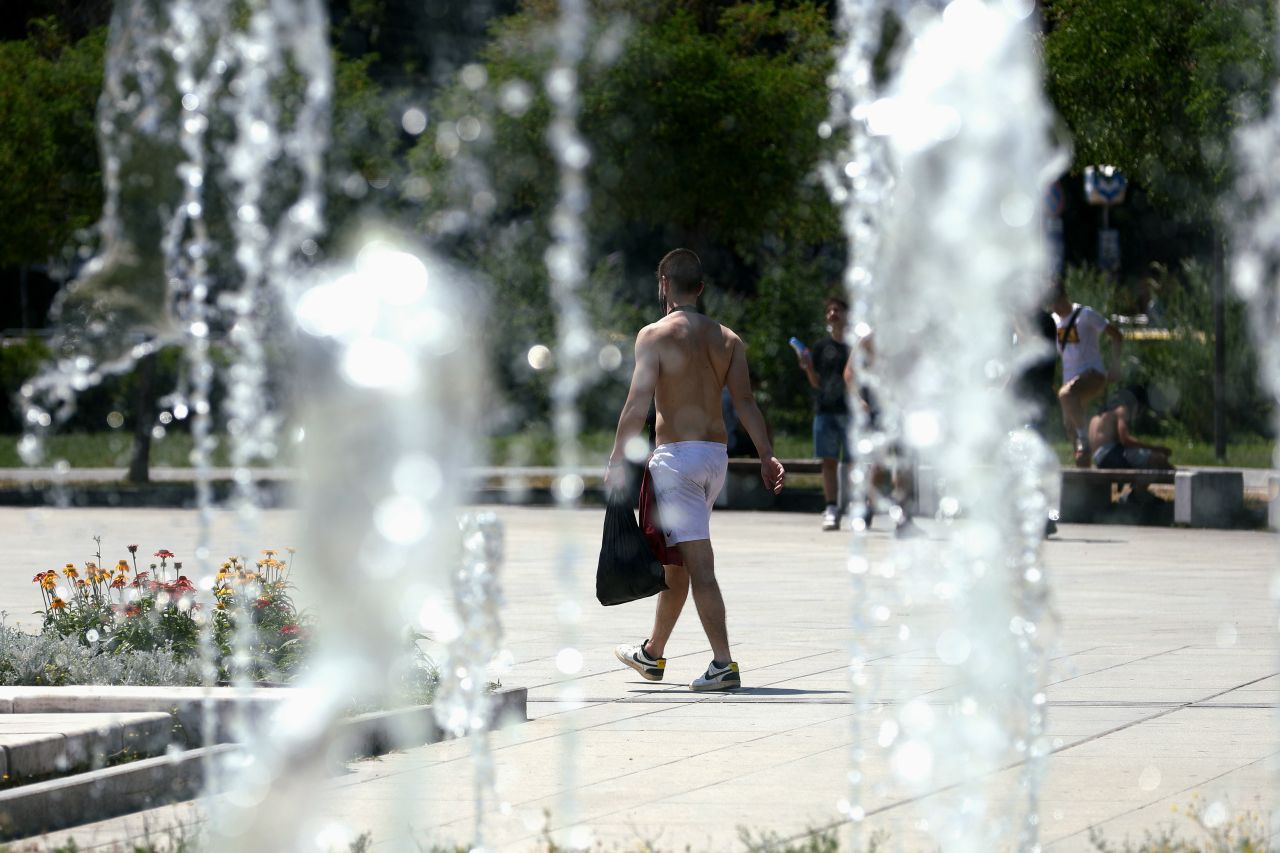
<point x="683" y="361"/>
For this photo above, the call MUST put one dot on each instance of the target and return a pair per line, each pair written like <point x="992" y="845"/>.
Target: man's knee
<point x="677" y="577"/>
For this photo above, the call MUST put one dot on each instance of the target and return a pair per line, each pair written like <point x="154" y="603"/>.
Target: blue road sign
<point x="1104" y="185"/>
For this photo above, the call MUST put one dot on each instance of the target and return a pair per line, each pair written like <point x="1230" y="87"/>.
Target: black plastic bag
<point x="627" y="570"/>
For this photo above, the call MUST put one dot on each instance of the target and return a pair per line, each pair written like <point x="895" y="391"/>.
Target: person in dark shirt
<point x="824" y="365"/>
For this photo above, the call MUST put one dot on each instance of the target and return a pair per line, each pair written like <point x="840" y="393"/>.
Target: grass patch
<point x="1247" y="453"/>
<point x="536" y="446"/>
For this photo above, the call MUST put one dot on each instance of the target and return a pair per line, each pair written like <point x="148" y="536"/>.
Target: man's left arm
<point x="644" y="379"/>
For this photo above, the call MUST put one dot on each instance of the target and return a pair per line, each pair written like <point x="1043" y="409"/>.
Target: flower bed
<point x="125" y="610"/>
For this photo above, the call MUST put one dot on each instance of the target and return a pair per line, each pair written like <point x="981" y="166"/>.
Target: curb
<point x="56" y="804"/>
<point x="63" y="803"/>
<point x="45" y="754"/>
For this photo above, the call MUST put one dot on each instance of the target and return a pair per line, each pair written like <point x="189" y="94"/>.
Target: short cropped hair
<point x="683" y="271"/>
<point x="837" y="301"/>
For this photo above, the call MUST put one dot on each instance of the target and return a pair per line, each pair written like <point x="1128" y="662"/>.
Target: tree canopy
<point x="1157" y="87"/>
<point x="49" y="86"/>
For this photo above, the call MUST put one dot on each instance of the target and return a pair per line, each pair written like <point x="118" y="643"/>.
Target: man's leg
<point x="831" y="481"/>
<point x="699" y="562"/>
<point x="1074" y="396"/>
<point x="670" y="603"/>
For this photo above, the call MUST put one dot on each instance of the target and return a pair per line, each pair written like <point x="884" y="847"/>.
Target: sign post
<point x="1054" y="204"/>
<point x="1105" y="186"/>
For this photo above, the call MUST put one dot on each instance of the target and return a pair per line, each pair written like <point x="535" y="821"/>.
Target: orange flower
<point x="70" y="571"/>
<point x="57" y="603"/>
<point x="50" y="581"/>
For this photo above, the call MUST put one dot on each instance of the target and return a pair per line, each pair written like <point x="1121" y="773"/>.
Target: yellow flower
<point x="70" y="571"/>
<point x="50" y="581"/>
<point x="270" y="552"/>
<point x="222" y="591"/>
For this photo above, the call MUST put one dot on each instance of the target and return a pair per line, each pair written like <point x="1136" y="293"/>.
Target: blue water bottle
<point x="798" y="346"/>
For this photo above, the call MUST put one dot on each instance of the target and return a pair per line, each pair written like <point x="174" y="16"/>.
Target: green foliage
<point x="701" y="119"/>
<point x="789" y="302"/>
<point x="49" y="87"/>
<point x="1157" y="87"/>
<point x="1215" y="831"/>
<point x="704" y="134"/>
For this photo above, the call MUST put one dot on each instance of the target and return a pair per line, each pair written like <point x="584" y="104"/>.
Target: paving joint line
<point x="1122" y="663"/>
<point x="1199" y="784"/>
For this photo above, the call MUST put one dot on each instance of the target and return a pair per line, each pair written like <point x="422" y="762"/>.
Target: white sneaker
<point x="718" y="678"/>
<point x="831" y="518"/>
<point x="650" y="669"/>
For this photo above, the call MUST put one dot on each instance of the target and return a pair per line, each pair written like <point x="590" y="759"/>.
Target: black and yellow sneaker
<point x="650" y="669"/>
<point x="718" y="678"/>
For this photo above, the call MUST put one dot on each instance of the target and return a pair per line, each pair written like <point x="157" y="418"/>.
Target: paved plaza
<point x="1163" y="685"/>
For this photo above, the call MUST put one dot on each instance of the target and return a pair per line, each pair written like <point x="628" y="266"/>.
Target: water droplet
<point x="569" y="661"/>
<point x="912" y="762"/>
<point x="539" y="357"/>
<point x="953" y="648"/>
<point x="515" y="97"/>
<point x="414" y="121"/>
<point x="473" y="76"/>
<point x="401" y="520"/>
<point x="610" y="357"/>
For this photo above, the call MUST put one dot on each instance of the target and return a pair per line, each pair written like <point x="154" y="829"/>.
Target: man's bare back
<point x="694" y="354"/>
<point x="1103" y="428"/>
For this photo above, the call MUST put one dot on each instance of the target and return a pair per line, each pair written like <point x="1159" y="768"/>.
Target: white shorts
<point x="687" y="476"/>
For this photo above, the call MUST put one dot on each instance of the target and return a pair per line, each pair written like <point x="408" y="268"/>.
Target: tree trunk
<point x="1219" y="348"/>
<point x="144" y="417"/>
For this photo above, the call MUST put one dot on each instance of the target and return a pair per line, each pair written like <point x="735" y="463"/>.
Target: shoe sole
<point x="636" y="665"/>
<point x="716" y="687"/>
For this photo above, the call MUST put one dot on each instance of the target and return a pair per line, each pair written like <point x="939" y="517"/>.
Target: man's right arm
<point x="752" y="419"/>
<point x="644" y="380"/>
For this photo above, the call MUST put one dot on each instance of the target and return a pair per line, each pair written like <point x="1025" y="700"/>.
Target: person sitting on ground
<point x="1111" y="436"/>
<point x="1084" y="376"/>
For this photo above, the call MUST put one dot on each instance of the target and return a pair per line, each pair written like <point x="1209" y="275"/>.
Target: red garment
<point x="668" y="555"/>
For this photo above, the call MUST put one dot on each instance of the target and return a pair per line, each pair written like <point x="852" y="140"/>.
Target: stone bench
<point x="1200" y="498"/>
<point x="1208" y="498"/>
<point x="743" y="488"/>
<point x="1086" y="492"/>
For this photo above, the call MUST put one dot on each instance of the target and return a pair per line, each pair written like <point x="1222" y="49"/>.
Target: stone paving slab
<point x="1164" y="670"/>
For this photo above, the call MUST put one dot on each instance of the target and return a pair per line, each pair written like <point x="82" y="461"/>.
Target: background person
<point x="1084" y="375"/>
<point x="1115" y="445"/>
<point x="824" y="365"/>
